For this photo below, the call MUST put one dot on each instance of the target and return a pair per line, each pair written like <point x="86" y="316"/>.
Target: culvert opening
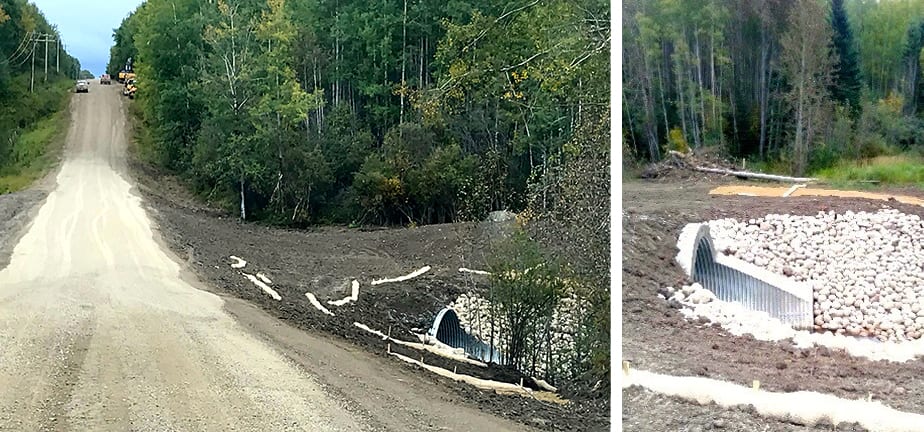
<point x="448" y="329"/>
<point x="858" y="274"/>
<point x="754" y="289"/>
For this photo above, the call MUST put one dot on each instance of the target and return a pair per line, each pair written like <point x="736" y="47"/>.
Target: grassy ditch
<point x="899" y="170"/>
<point x="33" y="152"/>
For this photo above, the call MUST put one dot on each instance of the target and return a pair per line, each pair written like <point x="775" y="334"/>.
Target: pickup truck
<point x="83" y="86"/>
<point x="105" y="79"/>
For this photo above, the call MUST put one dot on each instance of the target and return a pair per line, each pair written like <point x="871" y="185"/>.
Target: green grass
<point x="34" y="153"/>
<point x="900" y="170"/>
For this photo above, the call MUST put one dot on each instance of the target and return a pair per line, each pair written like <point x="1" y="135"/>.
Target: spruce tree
<point x="845" y="86"/>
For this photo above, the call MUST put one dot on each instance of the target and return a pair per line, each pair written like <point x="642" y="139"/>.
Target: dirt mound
<point x="323" y="261"/>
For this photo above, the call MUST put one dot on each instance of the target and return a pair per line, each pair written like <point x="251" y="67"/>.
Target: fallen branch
<point x="746" y="174"/>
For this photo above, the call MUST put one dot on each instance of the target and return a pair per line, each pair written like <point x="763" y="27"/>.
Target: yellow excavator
<point x="127" y="72"/>
<point x="130" y="87"/>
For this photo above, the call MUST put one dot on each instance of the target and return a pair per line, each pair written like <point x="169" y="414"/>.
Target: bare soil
<point x="657" y="338"/>
<point x="325" y="260"/>
<point x="16" y="210"/>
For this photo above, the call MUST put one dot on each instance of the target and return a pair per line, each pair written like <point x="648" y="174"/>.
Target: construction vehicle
<point x="127" y="72"/>
<point x="129" y="88"/>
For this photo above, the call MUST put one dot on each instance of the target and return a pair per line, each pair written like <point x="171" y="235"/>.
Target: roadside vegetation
<point x="33" y="116"/>
<point x="901" y="170"/>
<point x="827" y="88"/>
<point x="394" y="113"/>
<point x="387" y="113"/>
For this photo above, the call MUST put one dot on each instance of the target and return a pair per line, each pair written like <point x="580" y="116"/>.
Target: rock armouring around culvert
<point x="697" y="303"/>
<point x="866" y="269"/>
<point x="479" y="319"/>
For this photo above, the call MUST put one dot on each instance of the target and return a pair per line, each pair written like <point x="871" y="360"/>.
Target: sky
<point x="86" y="27"/>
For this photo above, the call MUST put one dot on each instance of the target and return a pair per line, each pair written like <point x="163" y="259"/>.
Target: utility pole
<point x="46" y="58"/>
<point x="35" y="39"/>
<point x="58" y="56"/>
<point x="32" y="76"/>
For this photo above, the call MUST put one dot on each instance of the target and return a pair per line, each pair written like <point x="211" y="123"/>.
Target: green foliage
<point x="30" y="118"/>
<point x="902" y="170"/>
<point x="336" y="111"/>
<point x="883" y="125"/>
<point x="569" y="217"/>
<point x="677" y="141"/>
<point x="846" y="86"/>
<point x="32" y="153"/>
<point x="526" y="288"/>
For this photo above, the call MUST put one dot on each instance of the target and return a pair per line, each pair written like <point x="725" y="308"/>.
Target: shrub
<point x="525" y="288"/>
<point x="677" y="141"/>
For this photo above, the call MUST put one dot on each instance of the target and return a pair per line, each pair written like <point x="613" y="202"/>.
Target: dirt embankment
<point x="324" y="261"/>
<point x="16" y="210"/>
<point x="658" y="338"/>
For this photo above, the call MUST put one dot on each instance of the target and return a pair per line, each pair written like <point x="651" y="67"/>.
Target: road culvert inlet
<point x="855" y="274"/>
<point x="448" y="330"/>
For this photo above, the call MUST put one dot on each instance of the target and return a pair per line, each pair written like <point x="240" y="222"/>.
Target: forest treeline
<point x="388" y="112"/>
<point x="26" y="99"/>
<point x="804" y="83"/>
<point x="393" y="112"/>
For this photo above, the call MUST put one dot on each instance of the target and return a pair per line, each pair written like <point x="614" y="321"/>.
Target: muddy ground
<point x="325" y="260"/>
<point x="657" y="338"/>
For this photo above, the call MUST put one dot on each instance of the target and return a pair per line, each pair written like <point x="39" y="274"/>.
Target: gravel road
<point x="101" y="328"/>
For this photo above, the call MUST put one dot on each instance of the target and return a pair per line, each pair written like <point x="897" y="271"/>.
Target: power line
<point x="36" y="38"/>
<point x="21" y="49"/>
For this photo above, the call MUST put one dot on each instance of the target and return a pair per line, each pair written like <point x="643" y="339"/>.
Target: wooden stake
<point x="755" y="385"/>
<point x="388" y="347"/>
<point x="521" y="382"/>
<point x="389" y="332"/>
<point x="455" y="369"/>
<point x="625" y="367"/>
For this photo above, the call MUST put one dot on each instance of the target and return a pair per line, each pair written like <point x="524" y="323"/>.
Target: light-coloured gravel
<point x="478" y="319"/>
<point x="867" y="269"/>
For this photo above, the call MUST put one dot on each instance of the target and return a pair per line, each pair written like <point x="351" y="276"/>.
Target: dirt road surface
<point x="101" y="328"/>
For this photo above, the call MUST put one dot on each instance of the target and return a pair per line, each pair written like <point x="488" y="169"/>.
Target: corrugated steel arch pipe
<point x="448" y="330"/>
<point x="762" y="293"/>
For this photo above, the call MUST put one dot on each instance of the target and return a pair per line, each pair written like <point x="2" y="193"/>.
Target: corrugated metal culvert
<point x="733" y="280"/>
<point x="448" y="330"/>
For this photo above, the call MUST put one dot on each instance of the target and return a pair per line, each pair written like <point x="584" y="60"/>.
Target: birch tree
<point x="807" y="62"/>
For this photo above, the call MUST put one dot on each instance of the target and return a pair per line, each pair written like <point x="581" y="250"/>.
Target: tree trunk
<point x="800" y="108"/>
<point x="702" y="89"/>
<point x="764" y="84"/>
<point x="403" y="60"/>
<point x="667" y="127"/>
<point x="243" y="207"/>
<point x="681" y="107"/>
